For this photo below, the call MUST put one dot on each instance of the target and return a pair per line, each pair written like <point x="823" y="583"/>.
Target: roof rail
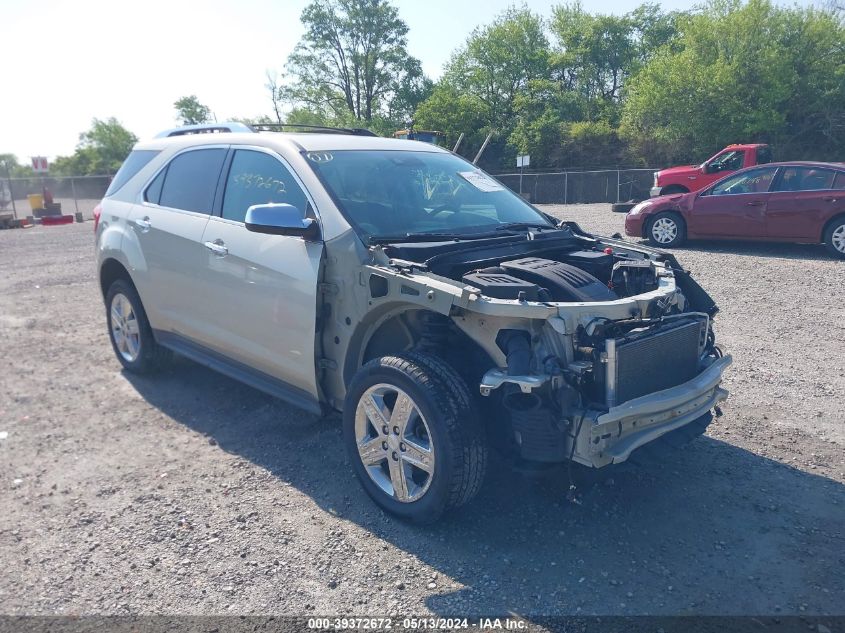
<point x="356" y="131"/>
<point x="205" y="128"/>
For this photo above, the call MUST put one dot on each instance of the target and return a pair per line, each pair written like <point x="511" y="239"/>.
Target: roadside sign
<point x="40" y="164"/>
<point x="523" y="161"/>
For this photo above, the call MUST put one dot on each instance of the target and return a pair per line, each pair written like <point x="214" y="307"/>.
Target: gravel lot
<point x="189" y="493"/>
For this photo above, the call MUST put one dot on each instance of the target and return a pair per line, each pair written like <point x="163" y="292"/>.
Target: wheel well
<point x="111" y="271"/>
<point x="834" y="219"/>
<point x="416" y="328"/>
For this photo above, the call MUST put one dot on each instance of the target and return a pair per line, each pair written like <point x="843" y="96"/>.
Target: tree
<point x="101" y="150"/>
<point x="189" y="111"/>
<point x="498" y="61"/>
<point x="740" y="73"/>
<point x="597" y="53"/>
<point x="9" y="166"/>
<point x="352" y="60"/>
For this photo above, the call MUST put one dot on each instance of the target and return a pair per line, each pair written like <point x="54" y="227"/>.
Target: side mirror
<point x="281" y="219"/>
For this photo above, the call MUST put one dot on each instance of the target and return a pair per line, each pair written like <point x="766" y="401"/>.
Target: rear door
<point x="168" y="226"/>
<point x="734" y="207"/>
<point x="262" y="288"/>
<point x="802" y="200"/>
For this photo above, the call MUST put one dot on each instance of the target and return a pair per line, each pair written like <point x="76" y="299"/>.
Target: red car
<point x="784" y="202"/>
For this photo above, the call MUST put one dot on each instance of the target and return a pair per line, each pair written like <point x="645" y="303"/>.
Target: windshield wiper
<point x="521" y="226"/>
<point x="455" y="237"/>
<point x="417" y="237"/>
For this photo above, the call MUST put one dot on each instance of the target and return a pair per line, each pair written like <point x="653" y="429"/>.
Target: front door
<point x="262" y="288"/>
<point x="733" y="207"/>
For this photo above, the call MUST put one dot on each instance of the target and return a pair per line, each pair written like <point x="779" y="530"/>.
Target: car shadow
<point x="755" y="249"/>
<point x="713" y="529"/>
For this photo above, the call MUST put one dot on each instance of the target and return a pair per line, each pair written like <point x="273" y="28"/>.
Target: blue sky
<point x="67" y="62"/>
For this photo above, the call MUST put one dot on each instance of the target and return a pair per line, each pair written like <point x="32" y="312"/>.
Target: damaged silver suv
<point x="396" y="282"/>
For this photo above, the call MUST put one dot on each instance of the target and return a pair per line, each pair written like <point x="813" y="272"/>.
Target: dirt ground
<point x="191" y="494"/>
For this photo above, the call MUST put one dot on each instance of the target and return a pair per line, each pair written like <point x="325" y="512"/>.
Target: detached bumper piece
<point x="614" y="435"/>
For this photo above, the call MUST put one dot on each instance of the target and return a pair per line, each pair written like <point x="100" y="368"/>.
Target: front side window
<point x="805" y="179"/>
<point x="191" y="180"/>
<point x="258" y="178"/>
<point x="753" y="181"/>
<point x="385" y="193"/>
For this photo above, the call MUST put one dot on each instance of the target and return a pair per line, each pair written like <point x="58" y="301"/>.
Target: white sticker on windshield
<point x="480" y="181"/>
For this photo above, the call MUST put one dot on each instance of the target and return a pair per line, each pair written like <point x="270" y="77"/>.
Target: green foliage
<point x="508" y="77"/>
<point x="189" y="111"/>
<point x="353" y="60"/>
<point x="101" y="150"/>
<point x="10" y="167"/>
<point x="498" y="61"/>
<point x="742" y="73"/>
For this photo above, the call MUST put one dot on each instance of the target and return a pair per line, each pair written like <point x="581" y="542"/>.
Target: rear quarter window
<point x="135" y="162"/>
<point x="764" y="155"/>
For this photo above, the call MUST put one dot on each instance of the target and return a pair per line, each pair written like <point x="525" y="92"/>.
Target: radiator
<point x="646" y="362"/>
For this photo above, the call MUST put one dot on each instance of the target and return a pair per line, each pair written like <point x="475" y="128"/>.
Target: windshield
<point x="394" y="193"/>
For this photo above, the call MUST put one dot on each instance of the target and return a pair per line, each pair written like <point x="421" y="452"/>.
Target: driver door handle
<point x="830" y="199"/>
<point x="755" y="203"/>
<point x="143" y="223"/>
<point x="217" y="247"/>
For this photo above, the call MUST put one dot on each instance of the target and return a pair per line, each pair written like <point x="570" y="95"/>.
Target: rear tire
<point x="666" y="230"/>
<point x="129" y="331"/>
<point x="834" y="237"/>
<point x="437" y="459"/>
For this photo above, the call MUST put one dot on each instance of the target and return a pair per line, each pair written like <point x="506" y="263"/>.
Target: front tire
<point x="129" y="330"/>
<point x="834" y="237"/>
<point x="666" y="230"/>
<point x="413" y="436"/>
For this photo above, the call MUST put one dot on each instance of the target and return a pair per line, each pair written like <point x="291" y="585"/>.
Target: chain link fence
<point x="75" y="194"/>
<point x="80" y="194"/>
<point x="581" y="187"/>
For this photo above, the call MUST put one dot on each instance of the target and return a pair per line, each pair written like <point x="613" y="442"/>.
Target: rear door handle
<point x="830" y="199"/>
<point x="143" y="223"/>
<point x="217" y="247"/>
<point x="755" y="203"/>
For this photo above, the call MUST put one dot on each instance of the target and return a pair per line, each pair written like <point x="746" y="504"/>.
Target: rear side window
<point x="191" y="180"/>
<point x="805" y="179"/>
<point x="258" y="178"/>
<point x="764" y="155"/>
<point x="134" y="163"/>
<point x="839" y="182"/>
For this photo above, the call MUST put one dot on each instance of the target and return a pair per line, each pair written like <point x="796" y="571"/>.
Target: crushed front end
<point x="598" y="346"/>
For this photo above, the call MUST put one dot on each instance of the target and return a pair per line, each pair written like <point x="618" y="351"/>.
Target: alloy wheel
<point x="394" y="442"/>
<point x="124" y="328"/>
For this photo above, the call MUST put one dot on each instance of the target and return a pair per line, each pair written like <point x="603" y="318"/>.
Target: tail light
<point x="98" y="211"/>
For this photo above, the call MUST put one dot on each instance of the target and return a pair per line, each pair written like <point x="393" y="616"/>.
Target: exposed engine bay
<point x="597" y="346"/>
